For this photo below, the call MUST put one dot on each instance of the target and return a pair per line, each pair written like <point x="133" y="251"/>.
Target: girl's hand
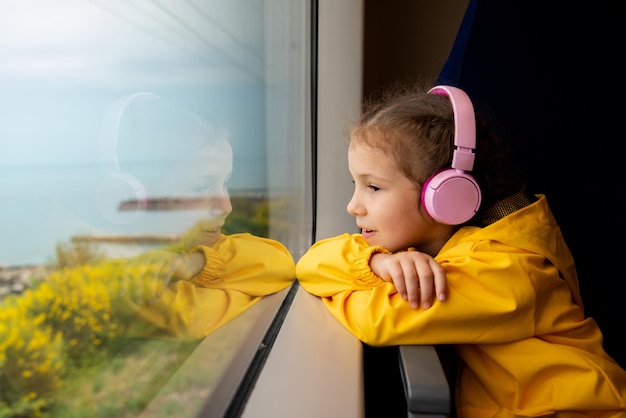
<point x="415" y="275"/>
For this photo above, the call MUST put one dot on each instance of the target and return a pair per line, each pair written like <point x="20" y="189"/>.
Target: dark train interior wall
<point x="406" y="39"/>
<point x="550" y="76"/>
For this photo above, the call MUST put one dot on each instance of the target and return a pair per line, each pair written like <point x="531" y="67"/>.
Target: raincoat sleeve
<point x="247" y="263"/>
<point x="338" y="264"/>
<point x="239" y="270"/>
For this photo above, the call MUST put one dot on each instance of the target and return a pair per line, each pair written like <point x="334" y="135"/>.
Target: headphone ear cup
<point x="121" y="187"/>
<point x="451" y="197"/>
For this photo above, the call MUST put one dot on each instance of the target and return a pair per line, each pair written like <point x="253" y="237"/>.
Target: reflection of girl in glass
<point x="207" y="277"/>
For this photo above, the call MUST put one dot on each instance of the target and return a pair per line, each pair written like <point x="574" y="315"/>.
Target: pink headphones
<point x="452" y="196"/>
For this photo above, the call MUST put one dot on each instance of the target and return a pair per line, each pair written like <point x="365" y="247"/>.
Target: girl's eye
<point x="373" y="187"/>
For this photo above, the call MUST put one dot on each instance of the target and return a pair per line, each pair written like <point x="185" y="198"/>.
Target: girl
<point x="439" y="208"/>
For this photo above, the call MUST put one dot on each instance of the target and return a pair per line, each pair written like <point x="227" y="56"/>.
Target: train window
<point x="154" y="161"/>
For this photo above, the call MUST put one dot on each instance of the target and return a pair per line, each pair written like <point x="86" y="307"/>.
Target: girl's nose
<point x="222" y="204"/>
<point x="354" y="208"/>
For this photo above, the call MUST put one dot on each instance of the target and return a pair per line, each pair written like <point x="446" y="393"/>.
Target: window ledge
<point x="315" y="368"/>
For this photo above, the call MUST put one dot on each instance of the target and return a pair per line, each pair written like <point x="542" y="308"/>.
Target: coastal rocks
<point x="15" y="280"/>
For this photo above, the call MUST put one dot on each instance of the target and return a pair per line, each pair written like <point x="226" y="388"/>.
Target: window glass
<point x="154" y="161"/>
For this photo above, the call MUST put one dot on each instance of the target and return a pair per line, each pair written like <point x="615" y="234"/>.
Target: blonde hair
<point x="416" y="130"/>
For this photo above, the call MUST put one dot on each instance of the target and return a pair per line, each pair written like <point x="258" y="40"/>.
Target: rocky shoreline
<point x="15" y="280"/>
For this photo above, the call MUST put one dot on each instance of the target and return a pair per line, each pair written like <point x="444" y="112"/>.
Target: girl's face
<point x="387" y="204"/>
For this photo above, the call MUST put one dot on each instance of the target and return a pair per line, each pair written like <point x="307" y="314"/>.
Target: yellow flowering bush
<point x="32" y="360"/>
<point x="65" y="317"/>
<point x="76" y="303"/>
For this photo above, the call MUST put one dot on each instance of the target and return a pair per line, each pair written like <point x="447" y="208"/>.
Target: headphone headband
<point x="110" y="129"/>
<point x="464" y="126"/>
<point x="118" y="185"/>
<point x="452" y="196"/>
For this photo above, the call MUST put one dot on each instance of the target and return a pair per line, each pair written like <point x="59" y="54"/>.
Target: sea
<point x="42" y="206"/>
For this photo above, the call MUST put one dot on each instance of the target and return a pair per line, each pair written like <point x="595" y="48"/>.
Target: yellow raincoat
<point x="514" y="314"/>
<point x="240" y="270"/>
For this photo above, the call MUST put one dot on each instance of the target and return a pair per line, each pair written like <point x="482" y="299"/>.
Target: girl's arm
<point x="347" y="262"/>
<point x="242" y="262"/>
<point x="337" y="264"/>
<point x="486" y="290"/>
<point x="191" y="294"/>
<point x="246" y="263"/>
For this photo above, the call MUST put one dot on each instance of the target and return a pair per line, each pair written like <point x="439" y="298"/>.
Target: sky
<point x="63" y="63"/>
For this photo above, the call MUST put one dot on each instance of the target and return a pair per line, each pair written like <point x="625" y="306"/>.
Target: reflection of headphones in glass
<point x="452" y="196"/>
<point x="118" y="186"/>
